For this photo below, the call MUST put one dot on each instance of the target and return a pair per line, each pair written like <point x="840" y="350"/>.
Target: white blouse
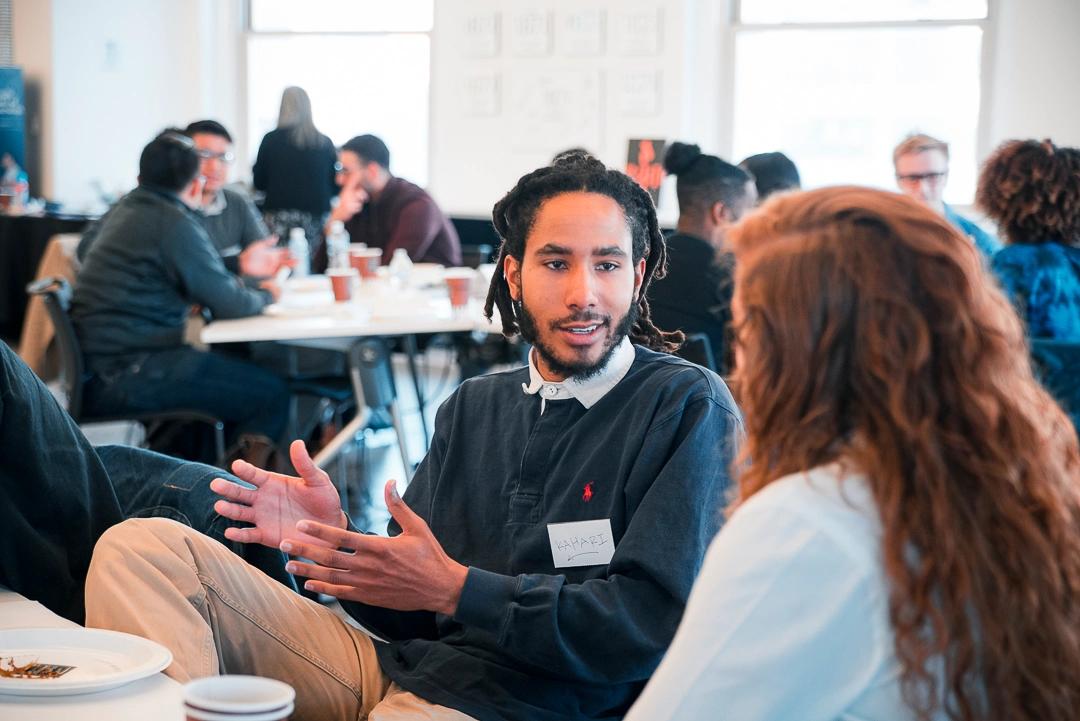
<point x="789" y="617"/>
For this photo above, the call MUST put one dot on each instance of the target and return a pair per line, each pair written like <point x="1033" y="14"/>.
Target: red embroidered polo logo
<point x="587" y="495"/>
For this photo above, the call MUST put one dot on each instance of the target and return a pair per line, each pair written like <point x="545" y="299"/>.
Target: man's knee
<point x="137" y="534"/>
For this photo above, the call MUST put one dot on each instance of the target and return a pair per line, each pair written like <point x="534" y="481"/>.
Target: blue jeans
<point x="58" y="494"/>
<point x="151" y="485"/>
<point x="248" y="398"/>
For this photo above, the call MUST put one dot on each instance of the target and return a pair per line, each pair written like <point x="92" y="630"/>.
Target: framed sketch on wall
<point x="637" y="30"/>
<point x="530" y="33"/>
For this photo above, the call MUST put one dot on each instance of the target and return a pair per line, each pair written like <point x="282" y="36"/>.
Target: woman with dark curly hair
<point x="1032" y="190"/>
<point x="906" y="539"/>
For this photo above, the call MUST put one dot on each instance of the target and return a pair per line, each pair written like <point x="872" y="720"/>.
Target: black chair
<point x="56" y="294"/>
<point x="698" y="349"/>
<point x="1057" y="363"/>
<point x="473" y="256"/>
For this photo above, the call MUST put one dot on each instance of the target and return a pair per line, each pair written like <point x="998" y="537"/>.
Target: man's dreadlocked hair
<point x="514" y="215"/>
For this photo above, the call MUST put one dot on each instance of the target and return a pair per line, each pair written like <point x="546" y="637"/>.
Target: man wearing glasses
<point x="922" y="169"/>
<point x="230" y="218"/>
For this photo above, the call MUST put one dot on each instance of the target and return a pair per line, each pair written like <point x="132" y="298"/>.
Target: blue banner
<point x="12" y="115"/>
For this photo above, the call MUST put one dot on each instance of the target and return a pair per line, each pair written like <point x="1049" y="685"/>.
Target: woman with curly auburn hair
<point x="906" y="538"/>
<point x="1032" y="190"/>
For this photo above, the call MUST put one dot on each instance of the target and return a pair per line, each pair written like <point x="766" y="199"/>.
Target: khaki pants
<point x="161" y="580"/>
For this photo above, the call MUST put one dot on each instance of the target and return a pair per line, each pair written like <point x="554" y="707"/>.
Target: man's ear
<point x="512" y="273"/>
<point x="639" y="278"/>
<point x="192" y="193"/>
<point x="719" y="214"/>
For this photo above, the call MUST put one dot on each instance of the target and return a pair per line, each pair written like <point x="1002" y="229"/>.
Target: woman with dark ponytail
<point x="695" y="297"/>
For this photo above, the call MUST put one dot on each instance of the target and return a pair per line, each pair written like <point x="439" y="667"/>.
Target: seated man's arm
<point x="417" y="227"/>
<point x="202" y="278"/>
<point x="617" y="629"/>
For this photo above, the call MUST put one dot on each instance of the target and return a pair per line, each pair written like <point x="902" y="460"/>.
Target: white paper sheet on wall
<point x="638" y="93"/>
<point x="481" y="95"/>
<point x="637" y="30"/>
<point x="555" y="109"/>
<point x="530" y="33"/>
<point x="580" y="33"/>
<point x="480" y="35"/>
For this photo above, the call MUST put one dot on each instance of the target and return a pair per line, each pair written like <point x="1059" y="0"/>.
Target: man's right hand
<point x="278" y="502"/>
<point x="262" y="259"/>
<point x="350" y="202"/>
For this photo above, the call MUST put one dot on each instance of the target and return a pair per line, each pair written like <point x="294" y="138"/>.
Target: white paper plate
<point x="102" y="659"/>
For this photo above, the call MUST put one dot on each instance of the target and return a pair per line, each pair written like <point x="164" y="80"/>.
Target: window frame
<point x="735" y="26"/>
<point x="249" y="33"/>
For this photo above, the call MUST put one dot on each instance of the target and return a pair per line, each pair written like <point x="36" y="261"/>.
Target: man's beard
<point x="580" y="370"/>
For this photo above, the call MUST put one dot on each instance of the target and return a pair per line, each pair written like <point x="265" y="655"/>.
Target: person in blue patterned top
<point x="1032" y="190"/>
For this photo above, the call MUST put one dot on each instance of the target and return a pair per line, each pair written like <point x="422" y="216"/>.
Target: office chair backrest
<point x="376" y="375"/>
<point x="698" y="349"/>
<point x="1057" y="364"/>
<point x="56" y="294"/>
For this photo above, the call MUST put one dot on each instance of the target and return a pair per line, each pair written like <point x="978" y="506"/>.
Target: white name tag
<point x="583" y="543"/>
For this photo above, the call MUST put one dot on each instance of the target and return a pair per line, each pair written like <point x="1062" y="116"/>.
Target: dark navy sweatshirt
<point x="529" y="640"/>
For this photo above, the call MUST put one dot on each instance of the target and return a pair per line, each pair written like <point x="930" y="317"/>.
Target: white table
<point x="156" y="697"/>
<point x="307" y="315"/>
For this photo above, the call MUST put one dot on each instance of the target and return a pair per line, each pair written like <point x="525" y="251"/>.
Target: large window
<point x="836" y="84"/>
<point x="365" y="65"/>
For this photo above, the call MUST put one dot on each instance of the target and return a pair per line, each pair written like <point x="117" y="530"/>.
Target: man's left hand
<point x="262" y="259"/>
<point x="409" y="572"/>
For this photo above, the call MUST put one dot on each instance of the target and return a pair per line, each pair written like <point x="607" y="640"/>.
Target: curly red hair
<point x="869" y="334"/>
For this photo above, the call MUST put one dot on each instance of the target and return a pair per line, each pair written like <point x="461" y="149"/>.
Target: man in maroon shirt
<point x="387" y="212"/>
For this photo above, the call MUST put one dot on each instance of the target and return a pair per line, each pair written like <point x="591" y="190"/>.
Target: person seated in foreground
<point x="921" y="163"/>
<point x="151" y="263"/>
<point x="58" y="494"/>
<point x="540" y="559"/>
<point x="695" y="294"/>
<point x="773" y="173"/>
<point x="1032" y="190"/>
<point x="388" y="212"/>
<point x="905" y="542"/>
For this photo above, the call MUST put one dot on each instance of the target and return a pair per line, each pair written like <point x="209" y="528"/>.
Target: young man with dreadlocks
<point x="541" y="558"/>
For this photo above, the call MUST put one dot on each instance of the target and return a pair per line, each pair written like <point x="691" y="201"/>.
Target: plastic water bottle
<point x="400" y="267"/>
<point x="301" y="253"/>
<point x="337" y="246"/>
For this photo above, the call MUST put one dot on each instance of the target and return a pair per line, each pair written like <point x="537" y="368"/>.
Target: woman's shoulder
<point x="831" y="501"/>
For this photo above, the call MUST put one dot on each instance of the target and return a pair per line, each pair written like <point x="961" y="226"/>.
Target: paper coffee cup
<point x="459" y="283"/>
<point x="238" y="698"/>
<point x="345" y="282"/>
<point x="365" y="260"/>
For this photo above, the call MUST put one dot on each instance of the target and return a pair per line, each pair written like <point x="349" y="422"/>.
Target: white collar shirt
<point x="587" y="391"/>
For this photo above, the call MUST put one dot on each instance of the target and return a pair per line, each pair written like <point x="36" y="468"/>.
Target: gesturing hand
<point x="409" y="572"/>
<point x="278" y="501"/>
<point x="263" y="258"/>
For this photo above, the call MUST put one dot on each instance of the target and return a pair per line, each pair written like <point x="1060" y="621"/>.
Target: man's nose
<point x="581" y="291"/>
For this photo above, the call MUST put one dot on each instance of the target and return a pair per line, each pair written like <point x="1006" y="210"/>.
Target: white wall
<point x="501" y="109"/>
<point x="117" y="73"/>
<point x="1035" y="73"/>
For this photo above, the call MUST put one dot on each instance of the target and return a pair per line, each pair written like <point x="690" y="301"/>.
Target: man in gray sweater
<point x="150" y="264"/>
